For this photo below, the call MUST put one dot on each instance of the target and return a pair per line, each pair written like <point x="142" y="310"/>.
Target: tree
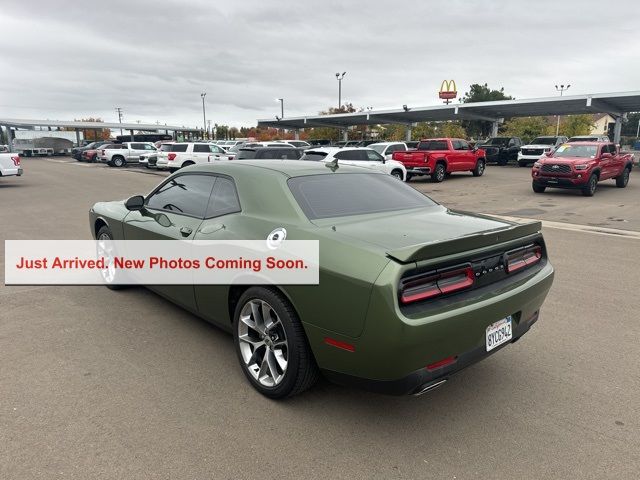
<point x="452" y="130"/>
<point x="630" y="125"/>
<point x="527" y="128"/>
<point x="481" y="93"/>
<point x="576" y="125"/>
<point x="89" y="133"/>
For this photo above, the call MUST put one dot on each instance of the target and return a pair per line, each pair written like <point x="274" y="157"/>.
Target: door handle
<point x="186" y="231"/>
<point x="211" y="228"/>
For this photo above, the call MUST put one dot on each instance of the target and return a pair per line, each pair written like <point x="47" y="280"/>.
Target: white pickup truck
<point x="129" y="153"/>
<point x="177" y="155"/>
<point x="10" y="165"/>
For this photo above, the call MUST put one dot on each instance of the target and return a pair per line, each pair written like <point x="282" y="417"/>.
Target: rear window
<point x="166" y="147"/>
<point x="543" y="141"/>
<point x="341" y="195"/>
<point x="178" y="147"/>
<point x="314" y="155"/>
<point x="433" y="145"/>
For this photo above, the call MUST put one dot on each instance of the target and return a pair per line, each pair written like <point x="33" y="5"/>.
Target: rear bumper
<point x="418" y="170"/>
<point x="423" y="379"/>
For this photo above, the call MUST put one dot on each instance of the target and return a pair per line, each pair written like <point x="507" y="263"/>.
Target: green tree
<point x="481" y="93"/>
<point x="527" y="128"/>
<point x="630" y="125"/>
<point x="576" y="125"/>
<point x="452" y="130"/>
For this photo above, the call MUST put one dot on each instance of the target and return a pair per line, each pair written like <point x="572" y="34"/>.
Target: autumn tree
<point x="92" y="134"/>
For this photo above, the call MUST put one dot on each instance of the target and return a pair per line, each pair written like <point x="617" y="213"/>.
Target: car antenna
<point x="333" y="165"/>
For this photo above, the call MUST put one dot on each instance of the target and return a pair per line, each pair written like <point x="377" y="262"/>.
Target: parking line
<point x="573" y="227"/>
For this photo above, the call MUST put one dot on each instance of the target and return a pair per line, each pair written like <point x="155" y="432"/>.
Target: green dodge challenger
<point x="410" y="292"/>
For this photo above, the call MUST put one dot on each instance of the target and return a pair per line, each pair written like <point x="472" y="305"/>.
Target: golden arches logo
<point x="448" y="86"/>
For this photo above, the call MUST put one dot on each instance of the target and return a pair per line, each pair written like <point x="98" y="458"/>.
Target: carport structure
<point x="615" y="104"/>
<point x="15" y="124"/>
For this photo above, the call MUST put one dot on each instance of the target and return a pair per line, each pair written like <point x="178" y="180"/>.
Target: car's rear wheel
<point x="439" y="172"/>
<point x="590" y="188"/>
<point x="187" y="163"/>
<point x="271" y="344"/>
<point x="479" y="170"/>
<point x="397" y="173"/>
<point x="538" y="188"/>
<point x="94" y="159"/>
<point x="523" y="164"/>
<point x="623" y="179"/>
<point x="409" y="176"/>
<point x="118" y="161"/>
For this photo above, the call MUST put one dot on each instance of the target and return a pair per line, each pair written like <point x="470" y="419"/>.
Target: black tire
<point x="538" y="188"/>
<point x="502" y="161"/>
<point x="187" y="164"/>
<point x="623" y="179"/>
<point x="479" y="170"/>
<point x="118" y="161"/>
<point x="409" y="176"/>
<point x="301" y="370"/>
<point x="94" y="159"/>
<point x="523" y="164"/>
<point x="439" y="173"/>
<point x="173" y="170"/>
<point x="590" y="188"/>
<point x="397" y="173"/>
<point x="105" y="232"/>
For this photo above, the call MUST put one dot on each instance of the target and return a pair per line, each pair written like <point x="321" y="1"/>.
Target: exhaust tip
<point x="429" y="386"/>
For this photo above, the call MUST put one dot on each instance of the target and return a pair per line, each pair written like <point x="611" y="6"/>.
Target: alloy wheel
<point x="263" y="342"/>
<point x="105" y="249"/>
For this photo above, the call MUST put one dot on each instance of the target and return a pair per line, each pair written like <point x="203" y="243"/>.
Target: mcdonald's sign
<point x="448" y="90"/>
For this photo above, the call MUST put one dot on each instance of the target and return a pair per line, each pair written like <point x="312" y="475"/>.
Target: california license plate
<point x="499" y="333"/>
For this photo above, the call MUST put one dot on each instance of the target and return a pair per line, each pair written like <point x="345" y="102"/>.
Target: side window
<point x="178" y="147"/>
<point x="137" y="146"/>
<point x="456" y="144"/>
<point x="149" y="147"/>
<point x="184" y="194"/>
<point x="349" y="155"/>
<point x="201" y="148"/>
<point x="224" y="199"/>
<point x="374" y="156"/>
<point x="512" y="142"/>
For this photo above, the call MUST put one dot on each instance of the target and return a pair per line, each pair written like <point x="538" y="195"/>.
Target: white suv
<point x="531" y="153"/>
<point x="10" y="164"/>
<point x="182" y="154"/>
<point x="386" y="149"/>
<point x="362" y="157"/>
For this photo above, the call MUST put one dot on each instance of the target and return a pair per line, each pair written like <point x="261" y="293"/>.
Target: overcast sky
<point x="69" y="59"/>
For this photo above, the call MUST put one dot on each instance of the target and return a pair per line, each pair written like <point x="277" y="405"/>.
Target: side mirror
<point x="548" y="154"/>
<point x="134" y="203"/>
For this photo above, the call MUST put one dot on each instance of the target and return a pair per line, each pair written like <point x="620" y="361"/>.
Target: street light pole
<point x="561" y="90"/>
<point x="204" y="115"/>
<point x="281" y="100"/>
<point x="339" y="78"/>
<point x="119" y="110"/>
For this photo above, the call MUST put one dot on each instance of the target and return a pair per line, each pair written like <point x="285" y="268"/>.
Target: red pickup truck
<point x="581" y="165"/>
<point x="439" y="156"/>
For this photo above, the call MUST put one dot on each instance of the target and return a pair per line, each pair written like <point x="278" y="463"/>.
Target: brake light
<point x="16" y="160"/>
<point x="435" y="284"/>
<point x="338" y="344"/>
<point x="441" y="363"/>
<point x="171" y="157"/>
<point x="523" y="257"/>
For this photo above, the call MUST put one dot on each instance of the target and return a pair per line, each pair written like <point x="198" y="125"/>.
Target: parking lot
<point x="102" y="384"/>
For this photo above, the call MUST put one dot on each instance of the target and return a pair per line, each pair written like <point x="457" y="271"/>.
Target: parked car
<point x="438" y="157"/>
<point x="320" y="142"/>
<point x="182" y="154"/>
<point x="76" y="152"/>
<point x="581" y="165"/>
<point x="272" y="153"/>
<point x="411" y="144"/>
<point x="127" y="152"/>
<point x="366" y="143"/>
<point x="93" y="154"/>
<point x="359" y="156"/>
<point x="10" y="165"/>
<point x="348" y="143"/>
<point x="501" y="149"/>
<point x="110" y="146"/>
<point x="590" y="138"/>
<point x="296" y="143"/>
<point x="535" y="149"/>
<point x="409" y="292"/>
<point x="386" y="149"/>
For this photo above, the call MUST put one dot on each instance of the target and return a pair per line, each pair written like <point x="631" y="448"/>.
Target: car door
<point x="201" y="152"/>
<point x="607" y="165"/>
<point x="135" y="150"/>
<point x="173" y="211"/>
<point x="222" y="222"/>
<point x="217" y="153"/>
<point x="462" y="157"/>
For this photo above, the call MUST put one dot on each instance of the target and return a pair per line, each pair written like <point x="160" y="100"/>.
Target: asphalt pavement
<point x="122" y="384"/>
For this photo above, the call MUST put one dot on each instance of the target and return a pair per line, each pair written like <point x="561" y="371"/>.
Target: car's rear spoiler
<point x="427" y="251"/>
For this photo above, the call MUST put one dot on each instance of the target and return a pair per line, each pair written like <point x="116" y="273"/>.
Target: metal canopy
<point x="29" y="124"/>
<point x="614" y="104"/>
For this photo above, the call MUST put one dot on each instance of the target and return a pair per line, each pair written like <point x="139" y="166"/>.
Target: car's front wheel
<point x="590" y="188"/>
<point x="397" y="173"/>
<point x="118" y="161"/>
<point x="106" y="249"/>
<point x="538" y="188"/>
<point x="271" y="344"/>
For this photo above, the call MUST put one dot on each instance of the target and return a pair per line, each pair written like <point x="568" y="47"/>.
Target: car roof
<point x="588" y="142"/>
<point x="289" y="168"/>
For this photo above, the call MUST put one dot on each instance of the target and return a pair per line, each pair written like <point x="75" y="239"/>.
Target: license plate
<point x="552" y="180"/>
<point x="499" y="333"/>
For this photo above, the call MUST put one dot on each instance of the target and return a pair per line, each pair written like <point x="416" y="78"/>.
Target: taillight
<point x="171" y="157"/>
<point x="16" y="160"/>
<point x="522" y="257"/>
<point x="435" y="284"/>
